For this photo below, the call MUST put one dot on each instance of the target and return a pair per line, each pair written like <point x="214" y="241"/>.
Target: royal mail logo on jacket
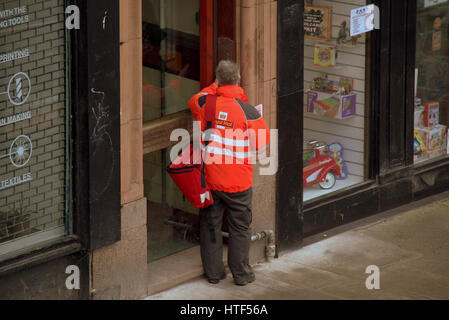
<point x="223" y="124"/>
<point x="238" y="130"/>
<point x="223" y="116"/>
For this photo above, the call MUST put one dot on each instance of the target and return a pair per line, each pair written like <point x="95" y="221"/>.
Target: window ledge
<point x="431" y="164"/>
<point x="39" y="254"/>
<point x="312" y="204"/>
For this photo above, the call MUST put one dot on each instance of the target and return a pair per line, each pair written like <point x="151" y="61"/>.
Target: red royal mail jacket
<point x="239" y="129"/>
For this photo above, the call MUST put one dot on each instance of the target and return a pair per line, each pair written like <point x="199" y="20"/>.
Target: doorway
<point x="171" y="75"/>
<point x="182" y="40"/>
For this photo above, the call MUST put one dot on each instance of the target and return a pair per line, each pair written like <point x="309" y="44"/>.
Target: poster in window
<point x="317" y="23"/>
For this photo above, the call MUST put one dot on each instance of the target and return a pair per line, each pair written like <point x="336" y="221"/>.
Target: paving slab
<point x="299" y="275"/>
<point x="445" y="202"/>
<point x="356" y="290"/>
<point x="403" y="280"/>
<point x="287" y="291"/>
<point x="424" y="230"/>
<point x="265" y="288"/>
<point x="349" y="254"/>
<point x="198" y="289"/>
<point x="436" y="264"/>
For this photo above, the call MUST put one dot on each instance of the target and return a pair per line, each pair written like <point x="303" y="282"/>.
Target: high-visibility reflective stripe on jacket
<point x="238" y="130"/>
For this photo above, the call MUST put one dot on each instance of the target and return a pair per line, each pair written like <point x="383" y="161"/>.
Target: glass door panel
<point x="172" y="220"/>
<point x="171" y="76"/>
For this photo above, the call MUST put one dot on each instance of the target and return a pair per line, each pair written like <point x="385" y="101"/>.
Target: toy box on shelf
<point x="332" y="99"/>
<point x="430" y="142"/>
<point x="430" y="137"/>
<point x="419" y="117"/>
<point x="431" y="114"/>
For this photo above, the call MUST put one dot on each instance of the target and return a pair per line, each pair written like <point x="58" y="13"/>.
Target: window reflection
<point x="171" y="51"/>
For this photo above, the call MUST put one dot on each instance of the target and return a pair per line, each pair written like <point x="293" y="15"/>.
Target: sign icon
<point x="19" y="88"/>
<point x="20" y="151"/>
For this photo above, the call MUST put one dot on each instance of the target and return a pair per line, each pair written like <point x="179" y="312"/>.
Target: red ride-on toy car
<point x="319" y="167"/>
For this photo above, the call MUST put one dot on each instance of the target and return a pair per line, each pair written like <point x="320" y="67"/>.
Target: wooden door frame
<point x="207" y="29"/>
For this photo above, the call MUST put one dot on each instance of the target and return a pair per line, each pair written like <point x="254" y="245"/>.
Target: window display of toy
<point x="323" y="164"/>
<point x="343" y="86"/>
<point x="332" y="98"/>
<point x="430" y="137"/>
<point x="324" y="56"/>
<point x="323" y="84"/>
<point x="346" y="85"/>
<point x="344" y="34"/>
<point x="431" y="114"/>
<point x="419" y="148"/>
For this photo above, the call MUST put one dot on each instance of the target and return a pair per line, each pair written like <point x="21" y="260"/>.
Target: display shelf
<point x="349" y="46"/>
<point x="333" y="42"/>
<point x="315" y="191"/>
<point x="327" y="69"/>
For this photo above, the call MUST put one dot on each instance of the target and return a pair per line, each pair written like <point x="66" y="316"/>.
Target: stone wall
<point x="256" y="51"/>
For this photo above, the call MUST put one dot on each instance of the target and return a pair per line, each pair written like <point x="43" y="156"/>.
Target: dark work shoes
<point x="243" y="281"/>
<point x="215" y="281"/>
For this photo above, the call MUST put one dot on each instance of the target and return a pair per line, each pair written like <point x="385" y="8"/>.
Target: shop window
<point x="335" y="83"/>
<point x="431" y="81"/>
<point x="33" y="129"/>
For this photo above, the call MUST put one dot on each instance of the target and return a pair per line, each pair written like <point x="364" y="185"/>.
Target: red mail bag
<point x="190" y="177"/>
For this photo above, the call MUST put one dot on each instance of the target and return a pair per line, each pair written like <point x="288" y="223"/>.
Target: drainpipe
<point x="270" y="248"/>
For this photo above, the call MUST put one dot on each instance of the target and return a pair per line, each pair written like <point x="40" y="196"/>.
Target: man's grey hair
<point x="228" y="73"/>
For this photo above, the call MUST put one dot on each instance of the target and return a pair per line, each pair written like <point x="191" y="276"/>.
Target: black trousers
<point x="239" y="216"/>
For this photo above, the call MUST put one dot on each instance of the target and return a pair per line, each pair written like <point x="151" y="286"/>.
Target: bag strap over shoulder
<point x="211" y="108"/>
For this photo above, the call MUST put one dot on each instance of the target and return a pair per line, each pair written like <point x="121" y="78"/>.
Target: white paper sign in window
<point x="364" y="19"/>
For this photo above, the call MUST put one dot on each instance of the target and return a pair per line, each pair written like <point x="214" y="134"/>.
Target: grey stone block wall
<point x="44" y="196"/>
